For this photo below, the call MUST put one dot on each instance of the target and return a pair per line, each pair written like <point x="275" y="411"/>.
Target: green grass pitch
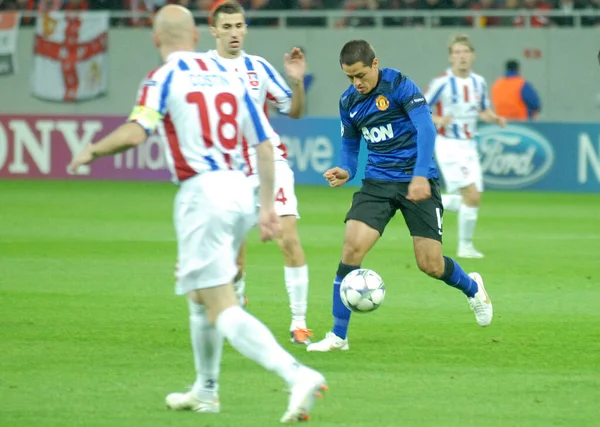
<point x="91" y="334"/>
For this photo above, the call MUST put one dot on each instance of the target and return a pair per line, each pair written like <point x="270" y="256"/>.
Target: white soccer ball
<point x="362" y="290"/>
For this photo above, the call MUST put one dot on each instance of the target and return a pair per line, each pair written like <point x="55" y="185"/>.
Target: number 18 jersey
<point x="202" y="116"/>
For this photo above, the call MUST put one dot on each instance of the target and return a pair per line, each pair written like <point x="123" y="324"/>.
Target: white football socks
<point x="451" y="202"/>
<point x="467" y="219"/>
<point x="296" y="283"/>
<point x="207" y="346"/>
<point x="253" y="339"/>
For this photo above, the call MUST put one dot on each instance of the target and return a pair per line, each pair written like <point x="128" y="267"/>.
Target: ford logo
<point x="513" y="157"/>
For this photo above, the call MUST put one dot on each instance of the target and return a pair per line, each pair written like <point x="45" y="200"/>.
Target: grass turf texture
<point x="91" y="333"/>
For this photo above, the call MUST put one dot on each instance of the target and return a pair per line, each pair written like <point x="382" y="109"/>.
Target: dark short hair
<point x="226" y="7"/>
<point x="512" y="65"/>
<point x="357" y="51"/>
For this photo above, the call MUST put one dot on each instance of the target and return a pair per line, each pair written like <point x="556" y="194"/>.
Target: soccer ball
<point x="362" y="290"/>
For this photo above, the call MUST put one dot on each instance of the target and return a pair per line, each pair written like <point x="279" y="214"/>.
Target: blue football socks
<point x="341" y="314"/>
<point x="456" y="277"/>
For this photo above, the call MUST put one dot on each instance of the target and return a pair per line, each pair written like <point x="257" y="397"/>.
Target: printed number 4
<point x="281" y="197"/>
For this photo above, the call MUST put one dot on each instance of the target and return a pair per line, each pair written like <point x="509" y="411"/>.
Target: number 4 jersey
<point x="202" y="116"/>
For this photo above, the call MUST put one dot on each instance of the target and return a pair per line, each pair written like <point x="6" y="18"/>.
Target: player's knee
<point x="291" y="248"/>
<point x="353" y="252"/>
<point x="472" y="196"/>
<point x="431" y="265"/>
<point x="473" y="200"/>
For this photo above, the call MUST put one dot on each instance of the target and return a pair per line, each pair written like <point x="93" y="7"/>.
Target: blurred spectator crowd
<point x="539" y="19"/>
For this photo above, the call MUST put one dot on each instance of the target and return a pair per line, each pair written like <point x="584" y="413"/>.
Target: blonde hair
<point x="461" y="39"/>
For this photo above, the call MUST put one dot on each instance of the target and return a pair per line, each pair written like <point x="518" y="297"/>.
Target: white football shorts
<point x="459" y="163"/>
<point x="286" y="202"/>
<point x="213" y="212"/>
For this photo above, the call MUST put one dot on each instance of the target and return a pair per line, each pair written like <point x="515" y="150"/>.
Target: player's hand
<point x="501" y="121"/>
<point x="336" y="176"/>
<point x="418" y="189"/>
<point x="268" y="224"/>
<point x="84" y="157"/>
<point x="445" y="120"/>
<point x="295" y="65"/>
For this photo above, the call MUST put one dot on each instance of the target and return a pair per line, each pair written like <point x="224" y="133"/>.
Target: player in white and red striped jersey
<point x="228" y="26"/>
<point x="458" y="100"/>
<point x="203" y="117"/>
<point x="222" y="113"/>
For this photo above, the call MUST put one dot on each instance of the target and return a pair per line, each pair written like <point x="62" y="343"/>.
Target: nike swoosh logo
<point x="353" y="114"/>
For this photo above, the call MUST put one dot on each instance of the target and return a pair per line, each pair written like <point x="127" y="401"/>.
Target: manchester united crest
<point x="382" y="103"/>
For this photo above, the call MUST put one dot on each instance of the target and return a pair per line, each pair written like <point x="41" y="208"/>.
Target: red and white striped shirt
<point x="460" y="98"/>
<point x="201" y="115"/>
<point x="265" y="84"/>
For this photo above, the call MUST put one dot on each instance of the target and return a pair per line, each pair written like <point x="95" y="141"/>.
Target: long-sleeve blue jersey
<point x="396" y="124"/>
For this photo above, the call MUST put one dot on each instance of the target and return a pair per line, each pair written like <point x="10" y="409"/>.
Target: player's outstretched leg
<point x="252" y="339"/>
<point x="296" y="278"/>
<point x="207" y="347"/>
<point x="428" y="253"/>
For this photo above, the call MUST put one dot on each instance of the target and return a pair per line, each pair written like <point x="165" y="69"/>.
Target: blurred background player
<point x="214" y="207"/>
<point x="459" y="98"/>
<point x="513" y="97"/>
<point x="387" y="109"/>
<point x="228" y="26"/>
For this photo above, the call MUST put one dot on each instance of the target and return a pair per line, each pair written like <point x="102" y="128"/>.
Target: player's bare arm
<point x="268" y="220"/>
<point x="123" y="138"/>
<point x="295" y="68"/>
<point x="489" y="116"/>
<point x="336" y="176"/>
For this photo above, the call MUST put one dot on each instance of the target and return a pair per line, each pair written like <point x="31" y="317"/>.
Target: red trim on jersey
<point x="144" y="94"/>
<point x="201" y="64"/>
<point x="227" y="158"/>
<point x="281" y="146"/>
<point x="283" y="149"/>
<point x="439" y="112"/>
<point x="246" y="155"/>
<point x="466" y="92"/>
<point x="467" y="133"/>
<point x="270" y="97"/>
<point x="182" y="169"/>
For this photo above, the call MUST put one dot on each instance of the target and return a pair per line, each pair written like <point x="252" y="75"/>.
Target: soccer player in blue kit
<point x="390" y="113"/>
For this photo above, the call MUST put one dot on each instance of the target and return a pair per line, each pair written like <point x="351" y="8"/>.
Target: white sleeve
<point x="278" y="90"/>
